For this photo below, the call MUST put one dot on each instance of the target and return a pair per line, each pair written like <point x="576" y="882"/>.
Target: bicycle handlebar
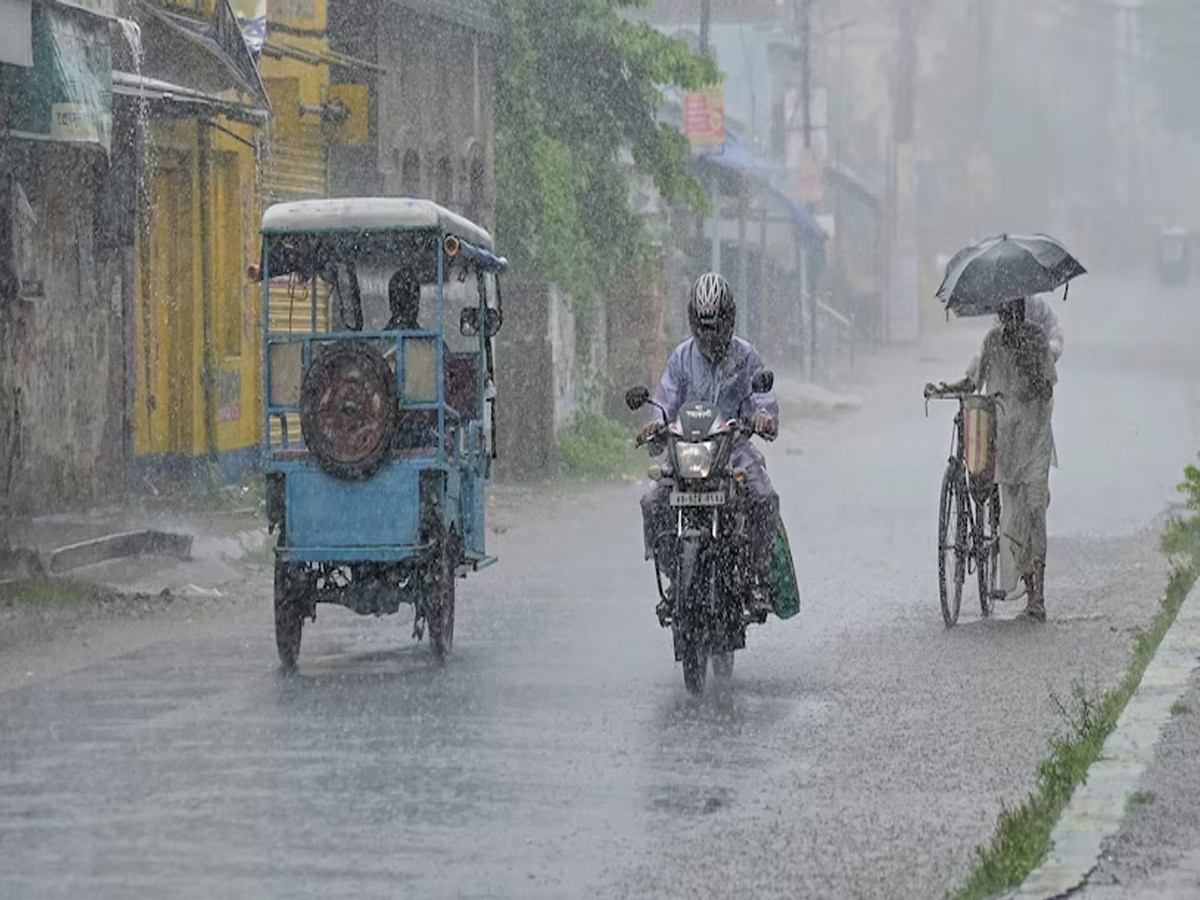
<point x="961" y="395"/>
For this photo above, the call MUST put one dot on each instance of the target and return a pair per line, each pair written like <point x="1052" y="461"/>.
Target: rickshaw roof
<point x="371" y="213"/>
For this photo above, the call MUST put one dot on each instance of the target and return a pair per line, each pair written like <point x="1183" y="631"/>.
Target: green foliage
<point x="1181" y="542"/>
<point x="49" y="592"/>
<point x="1139" y="799"/>
<point x="579" y="84"/>
<point x="594" y="446"/>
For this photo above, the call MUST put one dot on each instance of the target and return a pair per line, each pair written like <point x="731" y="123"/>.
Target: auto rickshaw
<point x="1174" y="256"/>
<point x="379" y="384"/>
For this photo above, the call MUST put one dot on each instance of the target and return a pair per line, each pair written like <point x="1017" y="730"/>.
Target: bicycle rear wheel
<point x="988" y="548"/>
<point x="952" y="542"/>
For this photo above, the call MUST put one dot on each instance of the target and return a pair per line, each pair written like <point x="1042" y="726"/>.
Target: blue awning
<point x="741" y="159"/>
<point x="801" y="216"/>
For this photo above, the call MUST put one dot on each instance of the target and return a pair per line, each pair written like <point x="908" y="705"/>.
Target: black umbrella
<point x="982" y="277"/>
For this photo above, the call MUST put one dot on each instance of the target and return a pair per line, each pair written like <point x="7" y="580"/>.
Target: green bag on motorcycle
<point x="785" y="589"/>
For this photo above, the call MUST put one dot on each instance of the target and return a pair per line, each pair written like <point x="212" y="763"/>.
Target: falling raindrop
<point x="141" y="137"/>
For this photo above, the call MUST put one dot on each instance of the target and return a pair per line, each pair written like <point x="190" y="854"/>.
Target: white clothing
<point x="1021" y="368"/>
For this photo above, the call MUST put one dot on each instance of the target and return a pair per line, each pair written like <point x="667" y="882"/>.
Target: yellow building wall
<point x="198" y="318"/>
<point x="196" y="333"/>
<point x="297" y="166"/>
<point x="236" y="306"/>
<point x="295" y="75"/>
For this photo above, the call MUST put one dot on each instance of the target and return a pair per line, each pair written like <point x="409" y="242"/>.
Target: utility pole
<point x="1132" y="129"/>
<point x="806" y="68"/>
<point x="903" y="310"/>
<point x="978" y="160"/>
<point x="711" y="182"/>
<point x="983" y="46"/>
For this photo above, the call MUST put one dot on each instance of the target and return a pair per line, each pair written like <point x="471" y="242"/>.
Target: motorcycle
<point x="708" y="552"/>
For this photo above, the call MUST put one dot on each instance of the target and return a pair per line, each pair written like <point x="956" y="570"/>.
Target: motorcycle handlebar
<point x="739" y="426"/>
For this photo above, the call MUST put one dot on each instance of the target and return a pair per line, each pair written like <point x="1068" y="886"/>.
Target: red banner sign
<point x="704" y="119"/>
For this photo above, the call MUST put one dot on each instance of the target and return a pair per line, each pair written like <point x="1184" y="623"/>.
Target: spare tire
<point x="348" y="409"/>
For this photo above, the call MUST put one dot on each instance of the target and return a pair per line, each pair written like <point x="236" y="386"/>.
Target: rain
<point x="595" y="448"/>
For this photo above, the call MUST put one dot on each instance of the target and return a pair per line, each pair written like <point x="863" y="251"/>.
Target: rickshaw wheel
<point x="440" y="611"/>
<point x="289" y="615"/>
<point x="348" y="410"/>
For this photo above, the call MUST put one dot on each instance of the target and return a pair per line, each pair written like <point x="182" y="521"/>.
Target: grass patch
<point x="1138" y="799"/>
<point x="208" y="491"/>
<point x="247" y="495"/>
<point x="1023" y="832"/>
<point x="1180" y="708"/>
<point x="594" y="447"/>
<point x="47" y="592"/>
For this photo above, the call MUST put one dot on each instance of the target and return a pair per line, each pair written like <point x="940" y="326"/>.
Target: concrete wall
<point x="62" y="369"/>
<point x="435" y="109"/>
<point x="545" y="376"/>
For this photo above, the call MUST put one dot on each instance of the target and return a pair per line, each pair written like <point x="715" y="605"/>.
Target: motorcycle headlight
<point x="694" y="460"/>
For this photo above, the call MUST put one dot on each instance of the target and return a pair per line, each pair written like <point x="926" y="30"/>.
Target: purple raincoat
<point x="691" y="378"/>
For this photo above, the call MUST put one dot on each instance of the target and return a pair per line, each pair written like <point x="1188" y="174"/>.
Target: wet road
<point x="862" y="751"/>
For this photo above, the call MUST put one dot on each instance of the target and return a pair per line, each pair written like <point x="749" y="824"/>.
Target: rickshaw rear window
<point x="353" y="271"/>
<point x="304" y="255"/>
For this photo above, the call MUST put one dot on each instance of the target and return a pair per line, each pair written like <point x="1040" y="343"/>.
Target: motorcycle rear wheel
<point x="695" y="665"/>
<point x="722" y="666"/>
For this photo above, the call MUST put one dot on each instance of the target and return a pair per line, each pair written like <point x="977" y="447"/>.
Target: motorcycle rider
<point x="716" y="367"/>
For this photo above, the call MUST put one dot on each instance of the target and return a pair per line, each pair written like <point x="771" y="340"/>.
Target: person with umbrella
<point x="1017" y="362"/>
<point x="1039" y="311"/>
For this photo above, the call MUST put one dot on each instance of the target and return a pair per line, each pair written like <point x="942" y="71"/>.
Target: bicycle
<point x="970" y="504"/>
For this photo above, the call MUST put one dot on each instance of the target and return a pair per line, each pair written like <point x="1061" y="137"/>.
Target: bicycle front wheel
<point x="952" y="542"/>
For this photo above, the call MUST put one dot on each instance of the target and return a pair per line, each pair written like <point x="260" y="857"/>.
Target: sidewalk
<point x="1156" y="854"/>
<point x="137" y="550"/>
<point x="800" y="398"/>
<point x="1132" y="831"/>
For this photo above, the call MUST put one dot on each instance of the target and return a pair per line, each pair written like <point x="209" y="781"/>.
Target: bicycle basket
<point x="979" y="438"/>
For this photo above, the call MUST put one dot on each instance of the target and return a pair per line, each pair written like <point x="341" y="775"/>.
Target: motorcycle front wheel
<point x="687" y="614"/>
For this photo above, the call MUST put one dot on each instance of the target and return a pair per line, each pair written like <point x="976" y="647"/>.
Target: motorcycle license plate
<point x="697" y="498"/>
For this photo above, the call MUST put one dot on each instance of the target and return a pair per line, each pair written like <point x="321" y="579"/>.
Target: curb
<point x="1097" y="807"/>
<point x="116" y="546"/>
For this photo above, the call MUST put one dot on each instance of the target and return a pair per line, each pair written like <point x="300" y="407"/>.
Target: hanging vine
<point x="580" y="84"/>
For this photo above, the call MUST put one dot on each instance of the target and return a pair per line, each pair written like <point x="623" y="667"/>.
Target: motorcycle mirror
<point x="763" y="382"/>
<point x="637" y="397"/>
<point x="468" y="322"/>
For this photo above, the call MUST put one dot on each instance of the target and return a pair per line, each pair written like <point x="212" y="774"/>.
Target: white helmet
<point x="712" y="313"/>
